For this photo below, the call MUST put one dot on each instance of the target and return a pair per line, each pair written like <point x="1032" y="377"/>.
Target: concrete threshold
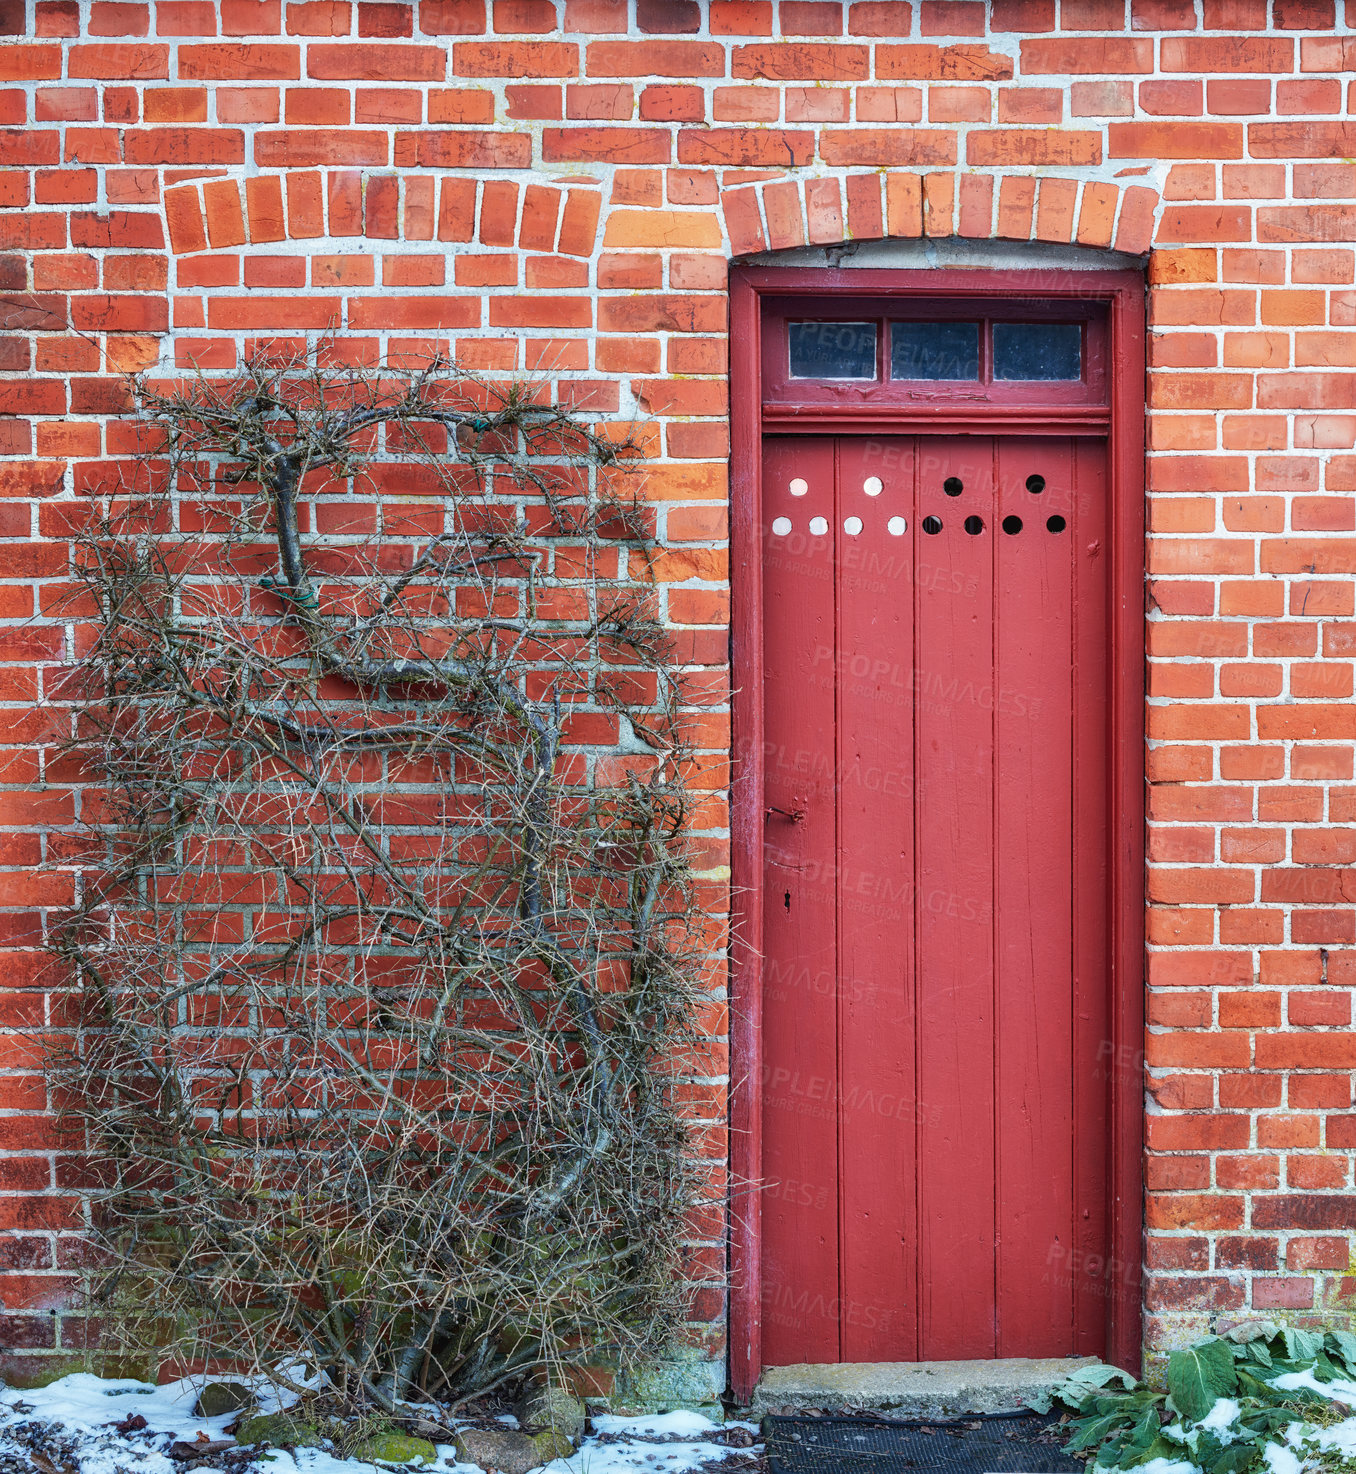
<point x="913" y="1389"/>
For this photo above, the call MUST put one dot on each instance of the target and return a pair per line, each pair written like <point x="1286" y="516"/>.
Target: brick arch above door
<point x="786" y="213"/>
<point x="348" y="205"/>
<point x="772" y="214"/>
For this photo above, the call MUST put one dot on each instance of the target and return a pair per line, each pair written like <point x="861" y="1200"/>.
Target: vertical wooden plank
<point x="1034" y="911"/>
<point x="878" y="1097"/>
<point x="746" y="848"/>
<point x="1103" y="1071"/>
<point x="800" y="1047"/>
<point x="954" y="902"/>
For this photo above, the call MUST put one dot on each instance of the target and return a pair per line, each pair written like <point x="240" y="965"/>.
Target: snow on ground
<point x="1338" y="1387"/>
<point x="1218" y="1419"/>
<point x="1167" y="1466"/>
<point x="82" y="1411"/>
<point x="1289" y="1454"/>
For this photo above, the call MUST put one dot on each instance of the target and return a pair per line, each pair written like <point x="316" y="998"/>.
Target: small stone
<point x="552" y="1409"/>
<point x="552" y="1444"/>
<point x="199" y="1448"/>
<point x="279" y="1430"/>
<point x="508" y="1451"/>
<point x="218" y="1398"/>
<point x="395" y="1448"/>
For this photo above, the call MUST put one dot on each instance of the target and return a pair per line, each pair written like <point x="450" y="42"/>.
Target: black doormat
<point x="1026" y="1443"/>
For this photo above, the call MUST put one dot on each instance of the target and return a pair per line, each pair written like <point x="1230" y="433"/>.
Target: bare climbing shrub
<point x="386" y="955"/>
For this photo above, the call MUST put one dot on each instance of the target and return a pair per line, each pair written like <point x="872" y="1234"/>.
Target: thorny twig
<point x="378" y="958"/>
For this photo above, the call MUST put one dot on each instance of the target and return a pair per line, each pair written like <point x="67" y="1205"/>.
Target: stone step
<point x="913" y="1389"/>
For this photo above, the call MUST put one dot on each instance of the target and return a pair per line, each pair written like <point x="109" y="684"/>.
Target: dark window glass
<point x="934" y="350"/>
<point x="832" y="350"/>
<point x="1037" y="350"/>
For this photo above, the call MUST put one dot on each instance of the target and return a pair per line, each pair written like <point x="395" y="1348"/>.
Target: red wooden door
<point x="935" y="932"/>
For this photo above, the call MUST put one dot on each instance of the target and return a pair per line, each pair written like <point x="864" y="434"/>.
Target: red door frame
<point x="1123" y="292"/>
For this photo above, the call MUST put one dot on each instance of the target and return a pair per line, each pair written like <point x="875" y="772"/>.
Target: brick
<point x="26" y="63"/>
<point x="515" y="59"/>
<point x="880" y="18"/>
<point x="301" y="148"/>
<point x="746" y="104"/>
<point x="1055" y="209"/>
<point x="240" y="62"/>
<point x="1102" y="99"/>
<point x="385" y="63"/>
<point x="666" y="15"/>
<point x="892" y="147"/>
<point x="740" y="17"/>
<point x="1301" y="140"/>
<point x="385" y="20"/>
<point x="460" y="105"/>
<point x="579" y="223"/>
<point x="942" y="63"/>
<point x="866" y="220"/>
<point x="451" y="17"/>
<point x="1173" y="98"/>
<point x="1102" y="56"/>
<point x="782" y="204"/>
<point x="613" y="102"/>
<point x="1033" y="147"/>
<point x="1016" y="203"/>
<point x="115" y="63"/>
<point x="1200" y="55"/>
<point x="1307" y="1211"/>
<point x="606" y="145"/>
<point x="184" y="146"/>
<point x="746" y="146"/>
<point x="795" y="61"/>
<point x="1175" y="140"/>
<point x="810" y="18"/>
<point x="819" y="105"/>
<point x="889" y="104"/>
<point x="1030" y="105"/>
<point x="656" y="59"/>
<point x="462" y="150"/>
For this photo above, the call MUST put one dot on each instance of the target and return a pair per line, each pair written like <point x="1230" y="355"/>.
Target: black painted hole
<point x="1035" y="484"/>
<point x="953" y="486"/>
<point x="1056" y="523"/>
<point x="974" y="525"/>
<point x="1012" y="525"/>
<point x="932" y="524"/>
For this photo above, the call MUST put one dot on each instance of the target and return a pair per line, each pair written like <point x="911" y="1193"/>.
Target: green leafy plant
<point x="1122" y="1423"/>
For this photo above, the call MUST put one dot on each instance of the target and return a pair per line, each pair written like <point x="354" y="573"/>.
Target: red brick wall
<point x="558" y="186"/>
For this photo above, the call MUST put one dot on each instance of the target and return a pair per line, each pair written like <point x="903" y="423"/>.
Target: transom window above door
<point x="821" y="348"/>
<point x="840" y="351"/>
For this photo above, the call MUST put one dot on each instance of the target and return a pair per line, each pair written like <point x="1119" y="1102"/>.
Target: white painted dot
<point x="818" y="526"/>
<point x="897" y="526"/>
<point x="781" y="526"/>
<point x="873" y="486"/>
<point x="852" y="526"/>
<point x="799" y="486"/>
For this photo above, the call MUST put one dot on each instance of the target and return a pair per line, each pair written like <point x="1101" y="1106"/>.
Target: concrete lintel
<point x="916" y="1389"/>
